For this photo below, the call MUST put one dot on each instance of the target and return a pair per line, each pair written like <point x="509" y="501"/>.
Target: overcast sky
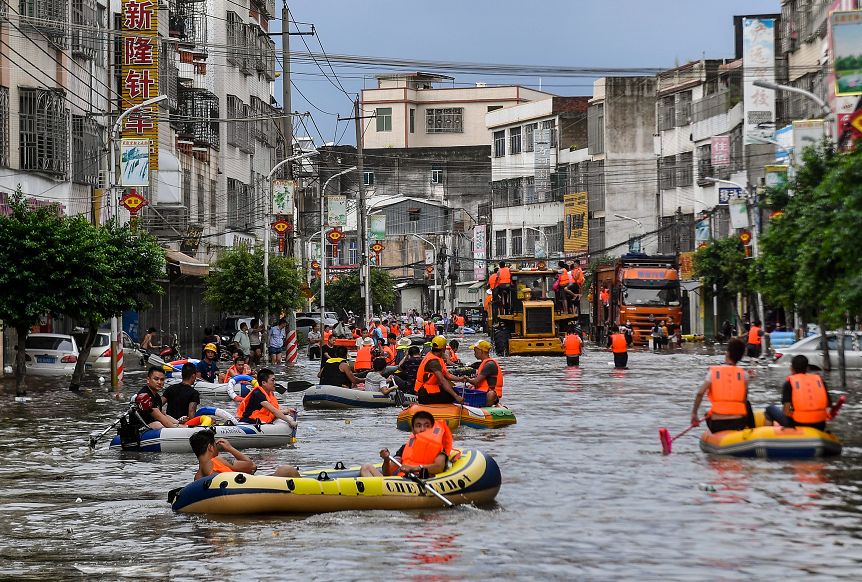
<point x="573" y="33"/>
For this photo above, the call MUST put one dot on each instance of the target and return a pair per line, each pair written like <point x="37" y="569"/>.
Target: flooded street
<point x="586" y="492"/>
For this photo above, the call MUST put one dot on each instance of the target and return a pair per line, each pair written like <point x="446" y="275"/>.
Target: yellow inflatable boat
<point x="473" y="478"/>
<point x="456" y="415"/>
<point x="770" y="442"/>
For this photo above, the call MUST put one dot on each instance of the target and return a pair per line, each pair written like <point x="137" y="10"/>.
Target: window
<point x="683" y="108"/>
<point x="48" y="16"/>
<point x="436" y="176"/>
<point x="517" y="242"/>
<point x="235" y="39"/>
<point x="595" y="176"/>
<point x="554" y="236"/>
<point x="447" y="120"/>
<point x="551" y="124"/>
<point x="384" y="118"/>
<point x="237" y="205"/>
<point x="213" y="202"/>
<point x="201" y="203"/>
<point x="86" y="150"/>
<point x="666" y="113"/>
<point x="368" y="178"/>
<point x="685" y="169"/>
<point x="237" y="131"/>
<point x="596" y="129"/>
<point x="412" y="120"/>
<point x="413" y="214"/>
<point x="352" y="253"/>
<point x="676" y="233"/>
<point x="515" y="140"/>
<point x="704" y="164"/>
<point x="499" y="143"/>
<point x="528" y="136"/>
<point x="667" y="172"/>
<point x="44" y="131"/>
<point x="187" y="189"/>
<point x="198" y="116"/>
<point x="85" y="41"/>
<point x="4" y="126"/>
<point x="500" y="243"/>
<point x="494" y="108"/>
<point x="530" y="190"/>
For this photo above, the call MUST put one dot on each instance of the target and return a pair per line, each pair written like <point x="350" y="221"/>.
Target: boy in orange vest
<point x="423" y="454"/>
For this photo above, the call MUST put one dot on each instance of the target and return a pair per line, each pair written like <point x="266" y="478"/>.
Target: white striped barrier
<point x="291" y="348"/>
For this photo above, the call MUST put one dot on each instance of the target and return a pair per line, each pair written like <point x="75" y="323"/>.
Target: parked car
<point x="810" y="348"/>
<point x="331" y="318"/>
<point x="50" y="354"/>
<point x="100" y="352"/>
<point x="303" y="324"/>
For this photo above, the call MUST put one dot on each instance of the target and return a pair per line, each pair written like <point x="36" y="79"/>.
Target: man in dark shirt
<point x="407" y="368"/>
<point x="155" y="418"/>
<point x="207" y="368"/>
<point x="328" y="349"/>
<point x="783" y="414"/>
<point x="182" y="398"/>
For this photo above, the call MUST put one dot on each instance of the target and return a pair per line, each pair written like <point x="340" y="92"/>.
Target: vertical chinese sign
<point x="575" y="237"/>
<point x="758" y="59"/>
<point x="140" y="75"/>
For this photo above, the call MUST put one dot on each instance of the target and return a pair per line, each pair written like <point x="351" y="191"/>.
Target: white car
<point x="50" y="354"/>
<point x="100" y="352"/>
<point x="810" y="348"/>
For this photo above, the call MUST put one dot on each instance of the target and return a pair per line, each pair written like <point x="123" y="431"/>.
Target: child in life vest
<point x="425" y="454"/>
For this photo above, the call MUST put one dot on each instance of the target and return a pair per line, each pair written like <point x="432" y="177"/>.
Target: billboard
<point x="720" y="151"/>
<point x="282" y="197"/>
<point x="140" y="73"/>
<point x="135" y="162"/>
<point x="702" y="233"/>
<point x="575" y="239"/>
<point x="847" y="52"/>
<point x="377" y="227"/>
<point x="758" y="60"/>
<point x="542" y="163"/>
<point x="336" y="209"/>
<point x="480" y="251"/>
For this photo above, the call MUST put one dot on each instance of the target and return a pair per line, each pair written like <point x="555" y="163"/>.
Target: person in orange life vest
<point x="261" y="403"/>
<point x="727" y="389"/>
<point x="504" y="286"/>
<point x="573" y="346"/>
<point x="206" y="448"/>
<point x="605" y="301"/>
<point x="755" y="335"/>
<point x="430" y="329"/>
<point x="408" y="330"/>
<point x="240" y="366"/>
<point x="433" y="380"/>
<point x="576" y="279"/>
<point x="364" y="356"/>
<point x="489" y="374"/>
<point x="561" y="285"/>
<point x="390" y="350"/>
<point x="327" y="333"/>
<point x="394" y="329"/>
<point x="357" y="332"/>
<point x="618" y="342"/>
<point x="425" y="454"/>
<point x="450" y="355"/>
<point x="804" y="398"/>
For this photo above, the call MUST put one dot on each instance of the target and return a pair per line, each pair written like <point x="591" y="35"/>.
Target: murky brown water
<point x="586" y="493"/>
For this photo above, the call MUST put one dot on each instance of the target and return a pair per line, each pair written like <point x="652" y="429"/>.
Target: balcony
<point x="49" y="17"/>
<point x="197" y="118"/>
<point x="165" y="220"/>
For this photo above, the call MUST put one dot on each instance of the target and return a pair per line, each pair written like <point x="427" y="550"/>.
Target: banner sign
<point x="702" y="233"/>
<point x="758" y="60"/>
<point x="282" y="197"/>
<point x="847" y="52"/>
<point x="480" y="250"/>
<point x="725" y="195"/>
<point x="806" y="133"/>
<point x="135" y="162"/>
<point x="738" y="213"/>
<point x="336" y="209"/>
<point x="575" y="240"/>
<point x="140" y="73"/>
<point x="542" y="163"/>
<point x="686" y="266"/>
<point x="377" y="227"/>
<point x="720" y="151"/>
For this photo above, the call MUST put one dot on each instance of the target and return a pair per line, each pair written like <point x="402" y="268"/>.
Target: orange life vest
<point x="408" y="331"/>
<point x="604" y="296"/>
<point x="727" y="390"/>
<point x="453" y="357"/>
<point x="390" y="354"/>
<point x="809" y="398"/>
<point x="234" y="371"/>
<point x="563" y="278"/>
<point x="428" y="380"/>
<point x="504" y="275"/>
<point x="261" y="414"/>
<point x="430" y="328"/>
<point x="573" y="343"/>
<point x="459" y="320"/>
<point x="363" y="359"/>
<point x="619" y="345"/>
<point x="220" y="466"/>
<point x="488" y="300"/>
<point x="483" y="386"/>
<point x="394" y="330"/>
<point x="423" y="448"/>
<point x="754" y="335"/>
<point x="492" y="281"/>
<point x="578" y="276"/>
<point x="357" y="334"/>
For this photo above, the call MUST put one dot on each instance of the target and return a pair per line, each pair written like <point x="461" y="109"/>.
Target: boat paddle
<point x="95" y="439"/>
<point x="833" y="412"/>
<point x="424" y="486"/>
<point x="667" y="441"/>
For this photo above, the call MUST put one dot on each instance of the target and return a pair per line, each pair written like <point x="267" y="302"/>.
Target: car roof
<point x="39" y="334"/>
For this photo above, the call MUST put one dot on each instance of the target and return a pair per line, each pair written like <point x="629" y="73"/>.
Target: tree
<point x="34" y="274"/>
<point x="722" y="266"/>
<point x="115" y="270"/>
<point x="344" y="292"/>
<point x="236" y="283"/>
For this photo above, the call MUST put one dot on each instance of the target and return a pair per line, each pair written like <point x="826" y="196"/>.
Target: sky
<point x="572" y="33"/>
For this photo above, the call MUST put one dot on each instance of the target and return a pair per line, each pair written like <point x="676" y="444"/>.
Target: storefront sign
<point x="140" y="75"/>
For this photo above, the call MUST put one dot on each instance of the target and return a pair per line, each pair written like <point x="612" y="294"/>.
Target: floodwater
<point x="586" y="492"/>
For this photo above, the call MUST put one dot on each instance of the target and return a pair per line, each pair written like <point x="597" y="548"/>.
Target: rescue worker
<point x="563" y="291"/>
<point x="261" y="405"/>
<point x="336" y="371"/>
<point x="394" y="328"/>
<point x="804" y="398"/>
<point x="492" y="287"/>
<point x="489" y="297"/>
<point x="504" y="287"/>
<point x="430" y="330"/>
<point x="605" y="301"/>
<point x="206" y="448"/>
<point x="755" y="336"/>
<point x="401" y="348"/>
<point x="208" y="368"/>
<point x="425" y="454"/>
<point x="433" y="380"/>
<point x="489" y="374"/>
<point x="389" y="350"/>
<point x="576" y="279"/>
<point x="573" y="346"/>
<point x="364" y="356"/>
<point x="727" y="389"/>
<point x="240" y="366"/>
<point x="618" y="342"/>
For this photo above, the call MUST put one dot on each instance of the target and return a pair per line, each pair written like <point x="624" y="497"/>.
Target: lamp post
<point x="755" y="249"/>
<point x="434" y="247"/>
<point x="640" y="224"/>
<point x="267" y="226"/>
<point x="323" y="247"/>
<point x="115" y="211"/>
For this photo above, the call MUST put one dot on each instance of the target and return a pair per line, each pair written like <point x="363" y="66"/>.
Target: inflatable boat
<point x="339" y="398"/>
<point x="176" y="440"/>
<point x="456" y="415"/>
<point x="473" y="478"/>
<point x="769" y="442"/>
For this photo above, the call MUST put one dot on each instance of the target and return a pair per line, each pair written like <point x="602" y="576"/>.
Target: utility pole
<point x="361" y="225"/>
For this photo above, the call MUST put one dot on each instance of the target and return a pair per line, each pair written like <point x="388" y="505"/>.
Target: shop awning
<point x="187" y="264"/>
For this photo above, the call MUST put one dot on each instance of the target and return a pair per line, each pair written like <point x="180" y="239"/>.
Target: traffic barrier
<point x="291" y="348"/>
<point x="120" y="358"/>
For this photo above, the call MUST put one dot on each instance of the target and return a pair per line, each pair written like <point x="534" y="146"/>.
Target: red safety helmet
<point x="144" y="402"/>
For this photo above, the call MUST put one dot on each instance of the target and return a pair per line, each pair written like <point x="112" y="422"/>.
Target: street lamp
<point x="115" y="211"/>
<point x="267" y="226"/>
<point x="323" y="247"/>
<point x="824" y="107"/>
<point x="755" y="249"/>
<point x="639" y="223"/>
<point x="434" y="247"/>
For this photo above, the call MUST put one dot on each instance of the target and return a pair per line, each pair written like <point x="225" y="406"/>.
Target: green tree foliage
<point x="344" y="292"/>
<point x="236" y="283"/>
<point x="722" y="265"/>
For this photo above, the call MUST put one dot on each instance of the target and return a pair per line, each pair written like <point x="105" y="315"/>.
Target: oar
<point x="94" y="440"/>
<point x="421" y="483"/>
<point x="667" y="441"/>
<point x="294" y="386"/>
<point x="833" y="412"/>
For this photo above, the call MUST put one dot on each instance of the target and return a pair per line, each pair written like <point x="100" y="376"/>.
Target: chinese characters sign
<point x="758" y="59"/>
<point x="575" y="239"/>
<point x="720" y="151"/>
<point x="140" y="73"/>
